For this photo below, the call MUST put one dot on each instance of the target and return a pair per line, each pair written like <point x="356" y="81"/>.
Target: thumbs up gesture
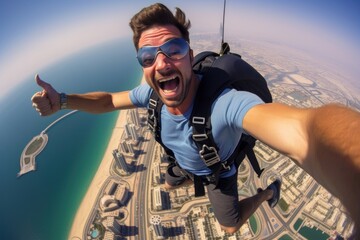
<point x="47" y="101"/>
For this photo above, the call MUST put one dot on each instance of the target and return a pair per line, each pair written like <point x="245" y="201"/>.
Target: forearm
<point x="334" y="153"/>
<point x="324" y="141"/>
<point x="99" y="102"/>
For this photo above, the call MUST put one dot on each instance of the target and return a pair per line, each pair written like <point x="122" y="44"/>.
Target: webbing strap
<point x="154" y="122"/>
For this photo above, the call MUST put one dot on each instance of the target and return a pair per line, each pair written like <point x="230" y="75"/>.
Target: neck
<point x="184" y="106"/>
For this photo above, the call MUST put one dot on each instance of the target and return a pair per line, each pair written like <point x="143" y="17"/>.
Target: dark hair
<point x="158" y="14"/>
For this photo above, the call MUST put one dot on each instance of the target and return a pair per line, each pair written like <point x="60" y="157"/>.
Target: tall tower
<point x="131" y="133"/>
<point x="112" y="225"/>
<point x="127" y="131"/>
<point x="157" y="198"/>
<point x="120" y="160"/>
<point x="134" y="117"/>
<point x="126" y="148"/>
<point x="156" y="223"/>
<point x="123" y="146"/>
<point x="130" y="148"/>
<point x="156" y="173"/>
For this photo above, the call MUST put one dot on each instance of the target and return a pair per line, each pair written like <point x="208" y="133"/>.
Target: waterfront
<point x="45" y="201"/>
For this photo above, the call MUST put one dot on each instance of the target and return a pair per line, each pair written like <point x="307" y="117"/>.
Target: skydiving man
<point x="323" y="141"/>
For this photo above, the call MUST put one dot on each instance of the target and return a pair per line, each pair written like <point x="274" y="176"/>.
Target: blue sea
<point x="41" y="205"/>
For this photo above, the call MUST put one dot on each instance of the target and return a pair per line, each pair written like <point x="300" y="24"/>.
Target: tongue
<point x="169" y="85"/>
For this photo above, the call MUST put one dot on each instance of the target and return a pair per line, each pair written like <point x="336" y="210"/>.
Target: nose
<point x="161" y="61"/>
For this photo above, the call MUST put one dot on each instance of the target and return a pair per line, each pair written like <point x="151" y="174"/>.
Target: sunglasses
<point x="175" y="49"/>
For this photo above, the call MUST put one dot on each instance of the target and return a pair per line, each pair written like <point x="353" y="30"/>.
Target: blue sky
<point x="36" y="33"/>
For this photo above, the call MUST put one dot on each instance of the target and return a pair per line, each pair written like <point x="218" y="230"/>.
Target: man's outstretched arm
<point x="324" y="141"/>
<point x="47" y="101"/>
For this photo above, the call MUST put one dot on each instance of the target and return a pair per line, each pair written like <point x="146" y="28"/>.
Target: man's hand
<point x="47" y="101"/>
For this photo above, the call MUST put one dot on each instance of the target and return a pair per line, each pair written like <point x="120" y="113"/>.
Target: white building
<point x="157" y="198"/>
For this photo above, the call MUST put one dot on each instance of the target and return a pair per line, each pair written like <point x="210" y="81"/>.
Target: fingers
<point x="48" y="100"/>
<point x="42" y="104"/>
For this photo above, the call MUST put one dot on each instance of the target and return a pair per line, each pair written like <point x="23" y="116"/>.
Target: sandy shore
<point x="101" y="175"/>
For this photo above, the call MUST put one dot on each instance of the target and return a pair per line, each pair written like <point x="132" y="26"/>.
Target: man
<point x="323" y="141"/>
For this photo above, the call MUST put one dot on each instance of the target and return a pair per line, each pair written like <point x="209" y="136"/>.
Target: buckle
<point x="152" y="121"/>
<point x="209" y="155"/>
<point x="199" y="137"/>
<point x="152" y="102"/>
<point x="208" y="179"/>
<point x="198" y="120"/>
<point x="151" y="113"/>
<point x="226" y="166"/>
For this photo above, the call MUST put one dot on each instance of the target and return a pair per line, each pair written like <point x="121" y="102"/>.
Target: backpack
<point x="227" y="70"/>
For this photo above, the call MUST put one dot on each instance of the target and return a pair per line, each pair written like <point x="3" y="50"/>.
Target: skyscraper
<point x="134" y="117"/>
<point x="157" y="198"/>
<point x="120" y="160"/>
<point x="126" y="148"/>
<point x="156" y="173"/>
<point x="112" y="225"/>
<point x="131" y="133"/>
<point x="155" y="220"/>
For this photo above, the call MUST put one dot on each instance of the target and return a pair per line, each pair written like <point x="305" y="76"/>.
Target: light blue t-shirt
<point x="228" y="111"/>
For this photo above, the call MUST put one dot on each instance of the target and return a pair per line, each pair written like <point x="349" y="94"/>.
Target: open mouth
<point x="169" y="85"/>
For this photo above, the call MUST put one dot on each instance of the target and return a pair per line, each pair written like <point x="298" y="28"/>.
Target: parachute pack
<point x="219" y="71"/>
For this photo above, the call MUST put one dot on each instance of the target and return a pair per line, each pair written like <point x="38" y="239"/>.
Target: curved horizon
<point x="42" y="33"/>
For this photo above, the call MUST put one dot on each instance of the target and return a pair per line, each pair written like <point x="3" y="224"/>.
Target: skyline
<point x="38" y="34"/>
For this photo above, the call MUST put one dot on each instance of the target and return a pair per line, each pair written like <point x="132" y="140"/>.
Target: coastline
<point x="103" y="172"/>
<point x="100" y="177"/>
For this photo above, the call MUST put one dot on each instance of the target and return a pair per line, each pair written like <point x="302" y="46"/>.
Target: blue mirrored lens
<point x="175" y="49"/>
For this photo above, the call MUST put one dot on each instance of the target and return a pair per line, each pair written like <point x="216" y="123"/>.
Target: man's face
<point x="169" y="78"/>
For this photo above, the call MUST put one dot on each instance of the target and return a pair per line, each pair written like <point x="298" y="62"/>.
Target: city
<point x="133" y="204"/>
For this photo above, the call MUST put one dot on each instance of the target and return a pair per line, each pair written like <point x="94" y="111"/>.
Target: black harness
<point x="219" y="72"/>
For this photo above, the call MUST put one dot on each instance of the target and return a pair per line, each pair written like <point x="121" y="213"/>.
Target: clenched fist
<point x="47" y="101"/>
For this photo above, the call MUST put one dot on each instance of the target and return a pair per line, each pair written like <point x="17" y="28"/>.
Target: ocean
<point x="41" y="205"/>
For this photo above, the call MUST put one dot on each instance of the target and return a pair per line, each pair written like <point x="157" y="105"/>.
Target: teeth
<point x="165" y="80"/>
<point x="169" y="85"/>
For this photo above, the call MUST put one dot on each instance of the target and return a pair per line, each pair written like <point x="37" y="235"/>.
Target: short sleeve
<point x="140" y="95"/>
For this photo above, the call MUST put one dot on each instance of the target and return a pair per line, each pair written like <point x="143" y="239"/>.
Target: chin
<point x="172" y="103"/>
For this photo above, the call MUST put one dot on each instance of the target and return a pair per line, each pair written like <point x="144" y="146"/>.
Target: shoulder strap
<point x="215" y="80"/>
<point x="222" y="72"/>
<point x="154" y="122"/>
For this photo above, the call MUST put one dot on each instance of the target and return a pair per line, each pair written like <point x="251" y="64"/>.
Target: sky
<point x="37" y="33"/>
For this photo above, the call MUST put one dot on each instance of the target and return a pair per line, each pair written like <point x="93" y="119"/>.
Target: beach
<point x="100" y="177"/>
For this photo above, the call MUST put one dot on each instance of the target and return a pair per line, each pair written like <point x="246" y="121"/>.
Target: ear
<point x="191" y="53"/>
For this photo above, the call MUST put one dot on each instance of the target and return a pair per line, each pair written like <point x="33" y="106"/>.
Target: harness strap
<point x="154" y="122"/>
<point x="199" y="186"/>
<point x="201" y="181"/>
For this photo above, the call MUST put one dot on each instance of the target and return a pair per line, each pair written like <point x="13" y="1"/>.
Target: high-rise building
<point x="120" y="160"/>
<point x="130" y="149"/>
<point x="127" y="131"/>
<point x="134" y="117"/>
<point x="155" y="220"/>
<point x="131" y="133"/>
<point x="126" y="148"/>
<point x="109" y="236"/>
<point x="156" y="173"/>
<point x="157" y="198"/>
<point x="112" y="225"/>
<point x="123" y="147"/>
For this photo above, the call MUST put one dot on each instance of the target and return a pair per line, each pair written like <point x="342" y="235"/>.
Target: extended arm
<point x="47" y="101"/>
<point x="324" y="141"/>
